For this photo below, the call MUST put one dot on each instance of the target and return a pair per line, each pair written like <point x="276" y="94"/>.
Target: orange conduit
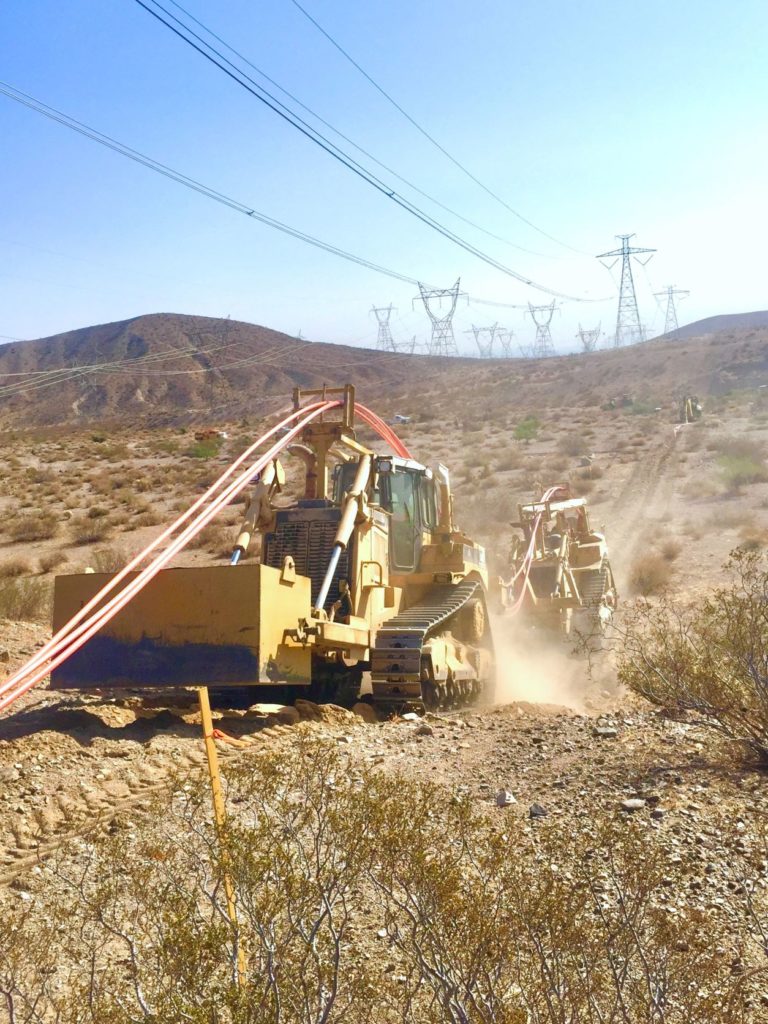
<point x="47" y="649"/>
<point x="75" y="637"/>
<point x="524" y="568"/>
<point x="72" y="636"/>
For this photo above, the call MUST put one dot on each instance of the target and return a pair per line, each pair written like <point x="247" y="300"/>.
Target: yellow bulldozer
<point x="561" y="581"/>
<point x="365" y="578"/>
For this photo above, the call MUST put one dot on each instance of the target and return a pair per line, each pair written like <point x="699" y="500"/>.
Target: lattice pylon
<point x="443" y="341"/>
<point x="542" y="317"/>
<point x="670" y="319"/>
<point x="484" y="339"/>
<point x="629" y="329"/>
<point x="589" y="338"/>
<point x="384" y="340"/>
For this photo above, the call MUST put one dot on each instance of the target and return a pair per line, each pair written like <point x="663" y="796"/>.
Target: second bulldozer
<point x="561" y="578"/>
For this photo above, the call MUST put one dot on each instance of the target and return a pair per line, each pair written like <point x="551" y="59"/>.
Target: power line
<point x="350" y="141"/>
<point x="427" y="135"/>
<point x="215" y="57"/>
<point x="191" y="183"/>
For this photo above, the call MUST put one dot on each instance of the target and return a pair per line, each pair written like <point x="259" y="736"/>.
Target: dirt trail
<point x="645" y="497"/>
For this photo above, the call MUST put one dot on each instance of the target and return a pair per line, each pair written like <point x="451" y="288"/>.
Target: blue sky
<point x="590" y="119"/>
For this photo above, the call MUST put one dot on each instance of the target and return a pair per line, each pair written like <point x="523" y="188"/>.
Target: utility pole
<point x="542" y="317"/>
<point x="442" y="342"/>
<point x="670" y="320"/>
<point x="484" y="338"/>
<point x="590" y="338"/>
<point x="629" y="329"/>
<point x="384" y="341"/>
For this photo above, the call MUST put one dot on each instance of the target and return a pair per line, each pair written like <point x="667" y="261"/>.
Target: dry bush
<point x="27" y="599"/>
<point x="89" y="531"/>
<point x="670" y="549"/>
<point x="649" y="574"/>
<point x="711" y="659"/>
<point x="572" y="444"/>
<point x="479" y="919"/>
<point x="109" y="559"/>
<point x="52" y="560"/>
<point x="33" y="527"/>
<point x="15" y="567"/>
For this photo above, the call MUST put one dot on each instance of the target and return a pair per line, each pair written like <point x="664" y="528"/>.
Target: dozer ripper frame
<point x="569" y="583"/>
<point x="413" y="616"/>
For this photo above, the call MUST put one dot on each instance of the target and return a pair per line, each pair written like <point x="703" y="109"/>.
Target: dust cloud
<point x="538" y="668"/>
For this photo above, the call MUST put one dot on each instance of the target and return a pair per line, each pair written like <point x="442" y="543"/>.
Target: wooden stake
<point x="220" y="817"/>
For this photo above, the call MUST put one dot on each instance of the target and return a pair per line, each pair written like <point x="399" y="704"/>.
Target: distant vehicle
<point x="401" y="419"/>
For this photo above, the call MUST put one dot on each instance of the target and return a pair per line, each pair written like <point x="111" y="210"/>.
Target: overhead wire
<point x="69" y="122"/>
<point x="215" y="57"/>
<point x="351" y="142"/>
<point x="423" y="131"/>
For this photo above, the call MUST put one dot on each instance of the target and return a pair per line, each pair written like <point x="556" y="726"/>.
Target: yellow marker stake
<point x="220" y="816"/>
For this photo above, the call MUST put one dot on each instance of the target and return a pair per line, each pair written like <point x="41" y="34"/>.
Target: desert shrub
<point x="97" y="512"/>
<point x="526" y="429"/>
<point x="710" y="659"/>
<point x="649" y="574"/>
<point x="52" y="560"/>
<point x="15" y="567"/>
<point x="511" y="459"/>
<point x="571" y="444"/>
<point x="33" y="527"/>
<point x="670" y="549"/>
<point x="89" y="531"/>
<point x="741" y="461"/>
<point x="109" y="559"/>
<point x="482" y="919"/>
<point x="206" y="449"/>
<point x="27" y="599"/>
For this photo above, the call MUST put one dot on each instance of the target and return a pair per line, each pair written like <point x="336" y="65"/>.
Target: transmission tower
<point x="589" y="339"/>
<point x="484" y="338"/>
<point x="628" y="327"/>
<point x="384" y="341"/>
<point x="670" y="320"/>
<point x="542" y="317"/>
<point x="442" y="342"/>
<point x="506" y="338"/>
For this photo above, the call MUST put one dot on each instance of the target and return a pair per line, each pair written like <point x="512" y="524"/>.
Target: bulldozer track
<point x="397" y="653"/>
<point x="94" y="804"/>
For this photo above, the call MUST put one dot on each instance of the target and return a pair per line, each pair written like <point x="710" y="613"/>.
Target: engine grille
<point x="306" y="534"/>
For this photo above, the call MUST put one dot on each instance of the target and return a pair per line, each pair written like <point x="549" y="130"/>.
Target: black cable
<point x="346" y="138"/>
<point x="183" y="179"/>
<point x="431" y="138"/>
<point x="259" y="93"/>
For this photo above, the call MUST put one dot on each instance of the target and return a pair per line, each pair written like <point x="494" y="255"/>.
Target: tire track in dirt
<point x="91" y="804"/>
<point x="646" y="494"/>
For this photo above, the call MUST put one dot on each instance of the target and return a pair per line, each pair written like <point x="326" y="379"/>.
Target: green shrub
<point x="527" y="429"/>
<point x="207" y="449"/>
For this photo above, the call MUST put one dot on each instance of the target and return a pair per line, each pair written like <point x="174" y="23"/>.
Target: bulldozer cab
<point x="406" y="490"/>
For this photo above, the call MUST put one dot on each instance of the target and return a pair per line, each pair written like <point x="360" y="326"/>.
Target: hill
<point x="726" y="323"/>
<point x="170" y="368"/>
